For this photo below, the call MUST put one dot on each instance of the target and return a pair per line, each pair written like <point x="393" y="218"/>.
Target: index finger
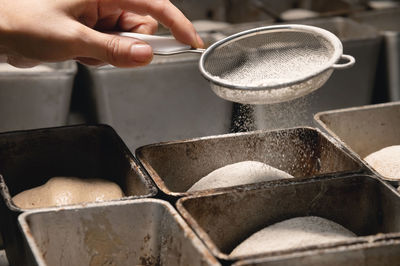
<point x="168" y="15"/>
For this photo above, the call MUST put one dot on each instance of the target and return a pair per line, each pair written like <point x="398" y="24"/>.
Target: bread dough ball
<point x="293" y="233"/>
<point x="59" y="191"/>
<point x="241" y="173"/>
<point x="298" y="13"/>
<point x="386" y="161"/>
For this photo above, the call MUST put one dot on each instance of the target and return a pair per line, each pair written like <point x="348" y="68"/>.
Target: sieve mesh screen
<point x="269" y="58"/>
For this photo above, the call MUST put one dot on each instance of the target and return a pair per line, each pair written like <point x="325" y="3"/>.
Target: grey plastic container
<point x="364" y="129"/>
<point x="166" y="100"/>
<point x="32" y="98"/>
<point x="379" y="253"/>
<point x="363" y="204"/>
<point x="388" y="22"/>
<point x="351" y="87"/>
<point x="302" y="152"/>
<point x="139" y="232"/>
<point x="29" y="158"/>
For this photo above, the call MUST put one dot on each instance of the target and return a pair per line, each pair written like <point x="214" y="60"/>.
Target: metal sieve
<point x="269" y="64"/>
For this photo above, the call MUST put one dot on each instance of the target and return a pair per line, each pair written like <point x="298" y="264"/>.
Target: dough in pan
<point x="293" y="233"/>
<point x="386" y="161"/>
<point x="241" y="173"/>
<point x="59" y="191"/>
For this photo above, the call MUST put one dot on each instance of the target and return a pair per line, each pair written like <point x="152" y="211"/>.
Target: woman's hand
<point x="34" y="31"/>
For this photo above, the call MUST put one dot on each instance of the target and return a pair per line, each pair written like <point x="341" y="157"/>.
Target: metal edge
<point x="347" y="152"/>
<point x="135" y="165"/>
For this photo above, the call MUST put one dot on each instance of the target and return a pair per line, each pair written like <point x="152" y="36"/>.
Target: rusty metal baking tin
<point x="134" y="232"/>
<point x="364" y="129"/>
<point x="303" y="152"/>
<point x="29" y="158"/>
<point x="363" y="204"/>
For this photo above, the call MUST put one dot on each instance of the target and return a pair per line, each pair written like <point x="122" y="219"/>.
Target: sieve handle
<point x="348" y="62"/>
<point x="162" y="45"/>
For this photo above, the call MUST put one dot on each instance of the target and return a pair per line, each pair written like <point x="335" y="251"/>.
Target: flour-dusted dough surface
<point x="59" y="191"/>
<point x="386" y="161"/>
<point x="241" y="173"/>
<point x="293" y="233"/>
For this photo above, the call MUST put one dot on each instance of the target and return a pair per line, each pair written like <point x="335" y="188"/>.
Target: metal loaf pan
<point x="388" y="22"/>
<point x="138" y="232"/>
<point x="29" y="158"/>
<point x="364" y="129"/>
<point x="365" y="205"/>
<point x="302" y="152"/>
<point x="166" y="100"/>
<point x="32" y="98"/>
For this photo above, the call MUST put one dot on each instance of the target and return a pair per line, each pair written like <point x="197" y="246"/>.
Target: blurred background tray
<point x="35" y="98"/>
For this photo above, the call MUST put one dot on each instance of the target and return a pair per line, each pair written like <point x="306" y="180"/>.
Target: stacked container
<point x="144" y="110"/>
<point x="388" y="23"/>
<point x="36" y="97"/>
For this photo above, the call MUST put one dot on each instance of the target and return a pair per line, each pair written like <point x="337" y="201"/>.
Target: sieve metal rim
<point x="333" y="39"/>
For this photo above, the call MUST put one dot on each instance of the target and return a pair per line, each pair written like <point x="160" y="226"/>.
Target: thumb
<point x="115" y="50"/>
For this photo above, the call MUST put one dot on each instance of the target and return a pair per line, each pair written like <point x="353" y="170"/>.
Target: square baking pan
<point x="363" y="204"/>
<point x="137" y="232"/>
<point x="365" y="129"/>
<point x="29" y="158"/>
<point x="302" y="152"/>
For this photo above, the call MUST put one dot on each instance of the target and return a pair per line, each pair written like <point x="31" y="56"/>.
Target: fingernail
<point x="141" y="52"/>
<point x="200" y="43"/>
